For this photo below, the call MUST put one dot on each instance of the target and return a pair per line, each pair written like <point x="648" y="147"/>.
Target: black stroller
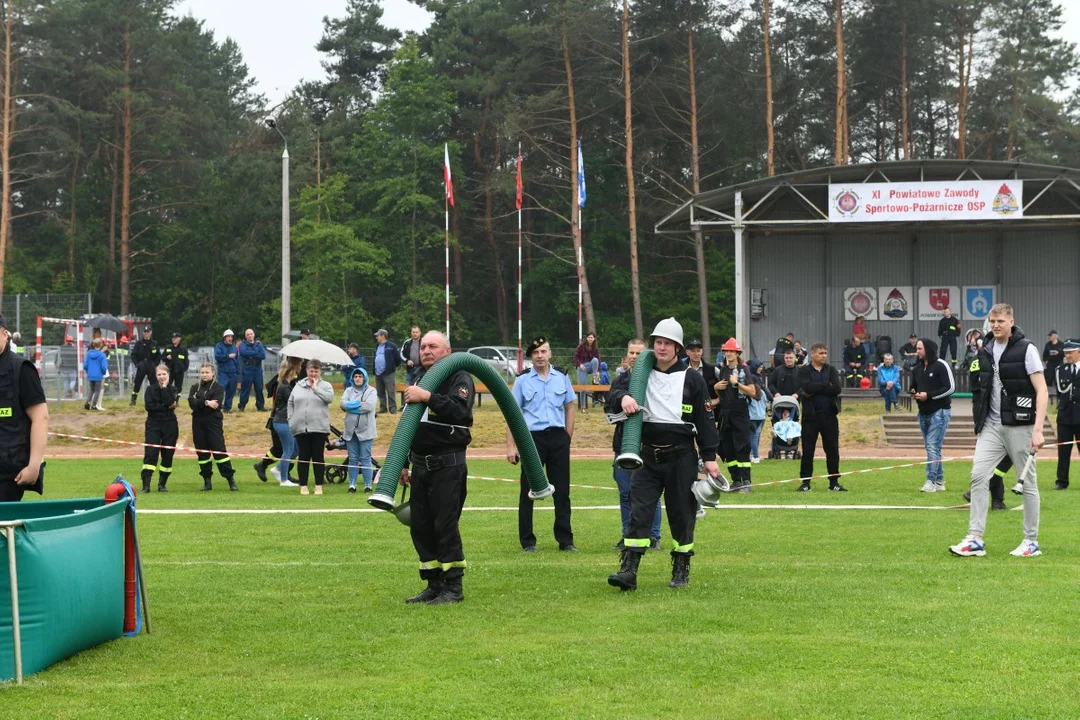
<point x="786" y="431"/>
<point x="339" y="474"/>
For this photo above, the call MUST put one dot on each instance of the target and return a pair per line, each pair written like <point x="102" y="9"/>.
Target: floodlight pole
<point x="286" y="264"/>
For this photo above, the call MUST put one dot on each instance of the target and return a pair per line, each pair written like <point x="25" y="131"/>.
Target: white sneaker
<point x="1018" y="488"/>
<point x="275" y="472"/>
<point x="755" y="460"/>
<point x="287" y="483"/>
<point x="939" y="486"/>
<point x="929" y="486"/>
<point x="1028" y="548"/>
<point x="969" y="547"/>
<point x="700" y="513"/>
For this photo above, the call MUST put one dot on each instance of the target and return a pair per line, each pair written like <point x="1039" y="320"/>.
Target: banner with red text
<point x="927" y="201"/>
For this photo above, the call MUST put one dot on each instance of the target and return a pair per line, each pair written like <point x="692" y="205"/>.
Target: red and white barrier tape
<point x="846" y="473"/>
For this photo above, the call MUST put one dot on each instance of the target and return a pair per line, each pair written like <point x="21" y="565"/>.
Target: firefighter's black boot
<point x="232" y="483"/>
<point x="451" y="593"/>
<point x="147" y="475"/>
<point x="134" y="398"/>
<point x="434" y="587"/>
<point x="206" y="487"/>
<point x="626" y="577"/>
<point x="161" y="480"/>
<point x="680" y="570"/>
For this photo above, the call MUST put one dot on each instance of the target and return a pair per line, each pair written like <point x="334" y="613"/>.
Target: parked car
<point x="501" y="358"/>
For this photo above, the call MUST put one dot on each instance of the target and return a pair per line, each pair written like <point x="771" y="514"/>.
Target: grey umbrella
<point x="107" y="322"/>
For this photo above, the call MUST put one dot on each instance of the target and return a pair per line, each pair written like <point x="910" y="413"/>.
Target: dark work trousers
<point x="553" y="446"/>
<point x="734" y="433"/>
<point x="228" y="381"/>
<point x="252" y="379"/>
<point x="159" y="431"/>
<point x="674" y="479"/>
<point x="948" y="344"/>
<point x="384" y="390"/>
<point x="275" y="451"/>
<point x="435" y="501"/>
<point x="142" y="372"/>
<point x="10" y="491"/>
<point x="828" y="427"/>
<point x="1069" y="435"/>
<point x="209" y="439"/>
<point x="311" y="451"/>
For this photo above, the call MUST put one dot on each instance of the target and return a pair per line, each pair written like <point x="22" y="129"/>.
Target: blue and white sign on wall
<point x="978" y="301"/>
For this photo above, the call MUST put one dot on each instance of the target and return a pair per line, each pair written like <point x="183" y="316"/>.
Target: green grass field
<point x="791" y="613"/>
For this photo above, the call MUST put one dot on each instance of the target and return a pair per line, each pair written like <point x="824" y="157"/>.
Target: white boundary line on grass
<point x="353" y="511"/>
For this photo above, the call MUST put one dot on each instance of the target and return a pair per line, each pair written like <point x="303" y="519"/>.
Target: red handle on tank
<point x="113" y="493"/>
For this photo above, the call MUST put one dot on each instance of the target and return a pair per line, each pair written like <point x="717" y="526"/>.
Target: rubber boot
<point x="680" y="570"/>
<point x="162" y="479"/>
<point x="626" y="577"/>
<point x="232" y="483"/>
<point x="206" y="487"/>
<point x="434" y="587"/>
<point x="147" y="475"/>
<point x="134" y="398"/>
<point x="451" y="593"/>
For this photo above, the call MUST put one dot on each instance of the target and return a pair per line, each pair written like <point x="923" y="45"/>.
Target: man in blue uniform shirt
<point x="228" y="367"/>
<point x="252" y="354"/>
<point x="546" y="399"/>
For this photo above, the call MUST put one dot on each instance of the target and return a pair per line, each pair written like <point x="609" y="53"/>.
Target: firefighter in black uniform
<point x="676" y="399"/>
<point x="1067" y="380"/>
<point x="161" y="429"/>
<point x="24" y="422"/>
<point x="144" y="357"/>
<point x="437" y="457"/>
<point x="733" y="415"/>
<point x="176" y="357"/>
<point x="206" y="398"/>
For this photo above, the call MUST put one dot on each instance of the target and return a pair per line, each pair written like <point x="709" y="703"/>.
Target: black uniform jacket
<point x="445" y="427"/>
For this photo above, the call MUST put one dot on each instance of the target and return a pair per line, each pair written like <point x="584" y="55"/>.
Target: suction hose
<point x="628" y="457"/>
<point x="398" y="454"/>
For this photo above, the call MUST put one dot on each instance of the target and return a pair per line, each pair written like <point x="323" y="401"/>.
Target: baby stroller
<point x="339" y="474"/>
<point x="786" y="428"/>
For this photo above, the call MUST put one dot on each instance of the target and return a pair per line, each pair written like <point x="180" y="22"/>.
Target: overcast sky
<point x="278" y="37"/>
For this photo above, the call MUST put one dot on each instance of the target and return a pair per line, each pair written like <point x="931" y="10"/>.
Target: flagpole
<point x="580" y="185"/>
<point x="446" y="203"/>
<point x="520" y="357"/>
<point x="579" y="264"/>
<point x="448" y="200"/>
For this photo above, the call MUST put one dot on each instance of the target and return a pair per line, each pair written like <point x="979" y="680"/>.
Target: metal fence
<point x="21" y="312"/>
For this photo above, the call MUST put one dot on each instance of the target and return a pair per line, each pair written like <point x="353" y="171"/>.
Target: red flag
<point x="446" y="175"/>
<point x="519" y="180"/>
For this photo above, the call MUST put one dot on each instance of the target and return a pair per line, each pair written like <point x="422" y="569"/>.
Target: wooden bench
<point x="481" y="389"/>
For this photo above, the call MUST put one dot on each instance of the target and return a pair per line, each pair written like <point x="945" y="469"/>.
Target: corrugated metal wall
<point x="1037" y="271"/>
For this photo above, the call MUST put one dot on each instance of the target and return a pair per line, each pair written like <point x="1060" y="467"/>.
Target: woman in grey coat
<point x="309" y="422"/>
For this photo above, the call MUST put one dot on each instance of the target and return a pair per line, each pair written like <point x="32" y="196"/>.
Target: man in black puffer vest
<point x="1009" y="405"/>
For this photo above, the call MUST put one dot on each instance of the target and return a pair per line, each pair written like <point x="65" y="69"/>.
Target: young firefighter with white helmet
<point x="675" y="400"/>
<point x="735" y="387"/>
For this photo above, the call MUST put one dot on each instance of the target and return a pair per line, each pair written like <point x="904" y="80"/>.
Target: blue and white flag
<point x="580" y="177"/>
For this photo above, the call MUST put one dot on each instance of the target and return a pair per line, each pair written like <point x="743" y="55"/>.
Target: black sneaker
<point x="967" y="496"/>
<point x="837" y="488"/>
<point x="654" y="544"/>
<point x="568" y="548"/>
<point x="367" y="490"/>
<point x="1061" y="486"/>
<point x="998" y="505"/>
<point x="805" y="487"/>
<point x="529" y="548"/>
<point x="352" y="489"/>
<point x="620" y="546"/>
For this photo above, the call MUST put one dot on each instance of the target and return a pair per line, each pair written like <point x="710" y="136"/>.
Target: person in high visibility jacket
<point x="161" y="429"/>
<point x="176" y="357"/>
<point x="145" y="356"/>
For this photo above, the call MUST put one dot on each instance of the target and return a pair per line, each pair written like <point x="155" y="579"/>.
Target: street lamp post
<point x="286" y="264"/>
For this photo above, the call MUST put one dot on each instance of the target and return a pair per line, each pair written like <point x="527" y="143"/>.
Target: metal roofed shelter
<point x="792" y="241"/>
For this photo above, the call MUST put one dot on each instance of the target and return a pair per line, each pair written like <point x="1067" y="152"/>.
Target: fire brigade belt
<point x="437" y="462"/>
<point x="665" y="453"/>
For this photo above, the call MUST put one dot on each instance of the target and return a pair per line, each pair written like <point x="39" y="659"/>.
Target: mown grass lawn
<point x="791" y="613"/>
